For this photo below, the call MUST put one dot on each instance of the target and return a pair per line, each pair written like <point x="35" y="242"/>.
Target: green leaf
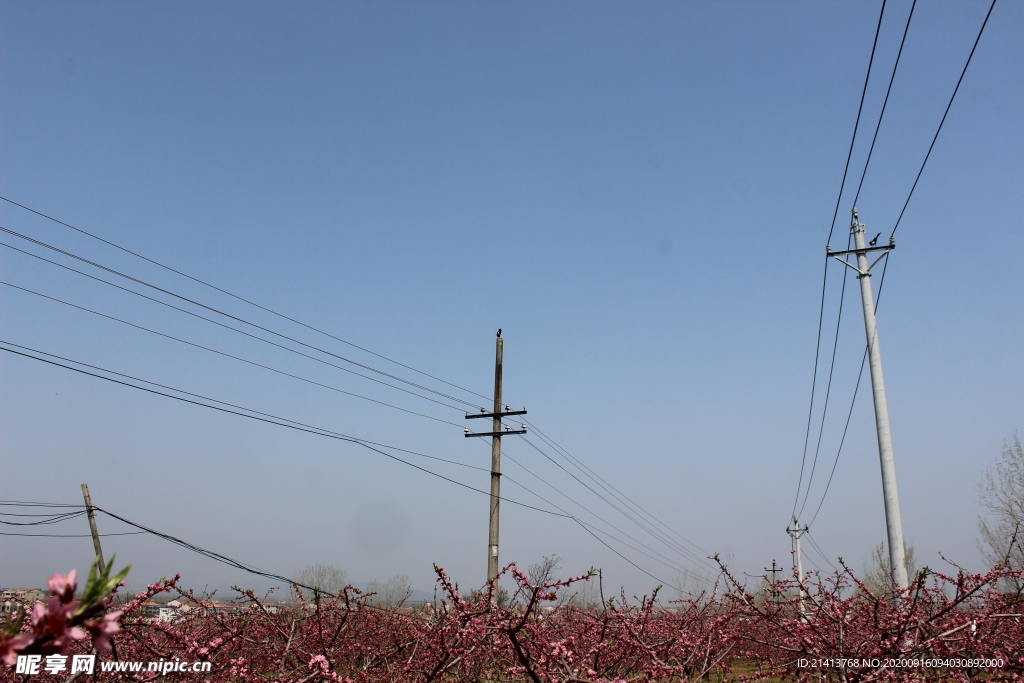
<point x="13" y="625"/>
<point x="100" y="584"/>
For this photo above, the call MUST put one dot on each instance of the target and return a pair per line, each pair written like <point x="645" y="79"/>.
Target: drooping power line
<point x="835" y="214"/>
<point x="258" y="338"/>
<point x="274" y="420"/>
<point x="944" y="114"/>
<point x="234" y="317"/>
<point x="234" y="296"/>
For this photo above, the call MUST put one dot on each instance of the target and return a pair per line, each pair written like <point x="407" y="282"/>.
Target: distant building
<point x="185" y="606"/>
<point x="13" y="598"/>
<point x="268" y="607"/>
<point x="155" y="610"/>
<point x="150" y="609"/>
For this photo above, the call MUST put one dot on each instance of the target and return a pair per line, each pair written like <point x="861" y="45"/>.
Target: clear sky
<point x="638" y="194"/>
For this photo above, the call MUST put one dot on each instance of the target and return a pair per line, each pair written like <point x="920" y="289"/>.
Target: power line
<point x="232" y="405"/>
<point x="612" y="505"/>
<point x="856" y="196"/>
<point x="814" y="385"/>
<point x="253" y="570"/>
<point x="835" y="214"/>
<point x="608" y="487"/>
<point x="235" y="296"/>
<point x="683" y="551"/>
<point x="241" y="320"/>
<point x="236" y="318"/>
<point x="216" y="310"/>
<point x="605" y="544"/>
<point x="205" y="348"/>
<point x="313" y="430"/>
<point x="816" y="565"/>
<point x="33" y="504"/>
<point x="853" y="400"/>
<point x="274" y="420"/>
<point x="900" y="218"/>
<point x="664" y="560"/>
<point x="896" y="225"/>
<point x="320" y="432"/>
<point x="939" y="129"/>
<point x="884" y="103"/>
<point x="817" y="549"/>
<point x="123" y="533"/>
<point x="167" y="537"/>
<point x="54" y="519"/>
<point x="207" y="553"/>
<point x="496" y="418"/>
<point x="191" y="343"/>
<point x="842" y="439"/>
<point x="828" y="387"/>
<point x="856" y="123"/>
<point x="265" y="367"/>
<point x="593" y="531"/>
<point x="24" y="514"/>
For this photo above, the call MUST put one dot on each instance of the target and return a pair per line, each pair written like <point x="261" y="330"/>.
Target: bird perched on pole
<point x="871" y="243"/>
<point x="499" y="329"/>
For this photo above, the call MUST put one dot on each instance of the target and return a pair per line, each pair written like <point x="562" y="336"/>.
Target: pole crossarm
<point x="885" y="249"/>
<point x="498" y="434"/>
<point x="496" y="415"/>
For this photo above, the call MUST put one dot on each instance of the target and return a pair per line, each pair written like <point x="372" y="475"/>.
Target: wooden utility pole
<point x="495" y="434"/>
<point x="100" y="564"/>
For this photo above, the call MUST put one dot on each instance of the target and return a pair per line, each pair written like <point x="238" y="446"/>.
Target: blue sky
<point x="638" y="194"/>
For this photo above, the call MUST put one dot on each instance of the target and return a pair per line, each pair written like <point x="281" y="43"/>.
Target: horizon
<point x="638" y="196"/>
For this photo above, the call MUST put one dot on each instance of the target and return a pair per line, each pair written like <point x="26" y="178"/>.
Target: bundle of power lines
<point x="803" y="489"/>
<point x="674" y="551"/>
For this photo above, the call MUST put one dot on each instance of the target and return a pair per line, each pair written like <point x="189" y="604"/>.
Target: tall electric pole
<point x="796" y="531"/>
<point x="772" y="582"/>
<point x="495" y="434"/>
<point x="893" y="522"/>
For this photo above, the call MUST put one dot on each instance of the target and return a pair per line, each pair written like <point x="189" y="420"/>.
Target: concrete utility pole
<point x="495" y="434"/>
<point x="796" y="531"/>
<point x="893" y="522"/>
<point x="773" y="590"/>
<point x="100" y="564"/>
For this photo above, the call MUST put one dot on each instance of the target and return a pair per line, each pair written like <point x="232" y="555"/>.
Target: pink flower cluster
<point x="54" y="626"/>
<point x="540" y="637"/>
